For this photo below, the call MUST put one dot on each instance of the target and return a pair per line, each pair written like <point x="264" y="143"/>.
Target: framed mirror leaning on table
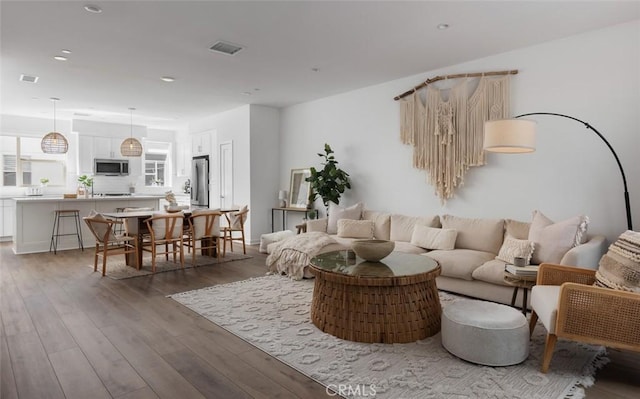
<point x="299" y="188"/>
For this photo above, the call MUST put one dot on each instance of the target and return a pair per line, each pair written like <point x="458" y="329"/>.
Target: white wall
<point x="265" y="163"/>
<point x="593" y="77"/>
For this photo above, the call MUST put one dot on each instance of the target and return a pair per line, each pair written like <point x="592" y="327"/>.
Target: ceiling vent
<point x="28" y="79"/>
<point x="226" y="48"/>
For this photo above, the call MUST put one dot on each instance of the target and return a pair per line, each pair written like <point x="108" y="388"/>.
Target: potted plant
<point x="86" y="182"/>
<point x="44" y="181"/>
<point x="329" y="182"/>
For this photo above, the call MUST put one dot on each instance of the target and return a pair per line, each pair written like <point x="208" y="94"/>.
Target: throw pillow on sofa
<point x="512" y="248"/>
<point x="336" y="213"/>
<point x="620" y="267"/>
<point x="348" y="228"/>
<point x="553" y="240"/>
<point x="430" y="238"/>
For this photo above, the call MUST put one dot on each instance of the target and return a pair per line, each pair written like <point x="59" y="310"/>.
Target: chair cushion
<point x="236" y="218"/>
<point x="512" y="247"/>
<point x="100" y="228"/>
<point x="200" y="223"/>
<point x="460" y="263"/>
<point x="484" y="235"/>
<point x="619" y="268"/>
<point x="270" y="238"/>
<point x="159" y="226"/>
<point x="355" y="228"/>
<point x="431" y="238"/>
<point x="336" y="213"/>
<point x="553" y="240"/>
<point x="544" y="301"/>
<point x="402" y="226"/>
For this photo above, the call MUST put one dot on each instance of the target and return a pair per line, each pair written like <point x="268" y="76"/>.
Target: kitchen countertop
<point x="50" y="198"/>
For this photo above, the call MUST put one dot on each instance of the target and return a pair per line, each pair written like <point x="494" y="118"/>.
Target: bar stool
<point x="55" y="233"/>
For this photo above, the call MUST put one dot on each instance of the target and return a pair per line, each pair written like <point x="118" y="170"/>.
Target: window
<point x="157" y="165"/>
<point x="24" y="164"/>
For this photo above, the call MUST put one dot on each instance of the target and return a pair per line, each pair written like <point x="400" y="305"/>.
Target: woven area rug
<point x="272" y="313"/>
<point x="117" y="269"/>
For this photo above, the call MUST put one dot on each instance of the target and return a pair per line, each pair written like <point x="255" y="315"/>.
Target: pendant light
<point x="131" y="147"/>
<point x="54" y="142"/>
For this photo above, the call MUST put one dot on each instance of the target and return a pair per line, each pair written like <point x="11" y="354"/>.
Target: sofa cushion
<point x="553" y="240"/>
<point x="406" y="247"/>
<point x="460" y="263"/>
<point x="490" y="272"/>
<point x="337" y="212"/>
<point x="381" y="223"/>
<point x="479" y="234"/>
<point x="355" y="228"/>
<point x="402" y="225"/>
<point x="516" y="229"/>
<point x="431" y="238"/>
<point x="317" y="225"/>
<point x="512" y="248"/>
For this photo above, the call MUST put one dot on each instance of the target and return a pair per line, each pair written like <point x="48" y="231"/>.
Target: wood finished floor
<point x="68" y="332"/>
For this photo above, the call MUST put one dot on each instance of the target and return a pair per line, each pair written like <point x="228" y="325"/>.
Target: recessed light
<point x="256" y="89"/>
<point x="93" y="9"/>
<point x="54" y="99"/>
<point x="168" y="79"/>
<point x="315" y="69"/>
<point x="443" y="26"/>
<point x="65" y="51"/>
<point x="246" y="93"/>
<point x="60" y="58"/>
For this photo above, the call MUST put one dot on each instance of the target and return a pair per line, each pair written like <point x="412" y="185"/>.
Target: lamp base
<point x="283" y="204"/>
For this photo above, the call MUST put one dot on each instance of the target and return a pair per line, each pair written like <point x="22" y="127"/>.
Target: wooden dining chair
<point x="235" y="223"/>
<point x="164" y="229"/>
<point x="204" y="227"/>
<point x="108" y="243"/>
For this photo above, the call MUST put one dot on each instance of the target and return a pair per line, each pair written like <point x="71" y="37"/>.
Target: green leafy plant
<point x="86" y="181"/>
<point x="330" y="182"/>
<point x="44" y="181"/>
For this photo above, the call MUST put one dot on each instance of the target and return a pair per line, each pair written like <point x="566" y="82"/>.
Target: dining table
<point x="137" y="228"/>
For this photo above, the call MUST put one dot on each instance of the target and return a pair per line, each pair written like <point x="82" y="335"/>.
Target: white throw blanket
<point x="292" y="255"/>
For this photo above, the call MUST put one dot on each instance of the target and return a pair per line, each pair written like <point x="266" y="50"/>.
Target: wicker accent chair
<point x="204" y="226"/>
<point x="583" y="312"/>
<point x="108" y="243"/>
<point x="235" y="223"/>
<point x="165" y="229"/>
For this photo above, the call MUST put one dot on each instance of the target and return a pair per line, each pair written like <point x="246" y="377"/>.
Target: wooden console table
<point x="284" y="216"/>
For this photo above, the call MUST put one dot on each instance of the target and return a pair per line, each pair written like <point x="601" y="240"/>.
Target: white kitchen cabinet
<point x="107" y="147"/>
<point x="6" y="227"/>
<point x="85" y="155"/>
<point x="183" y="159"/>
<point x="201" y="144"/>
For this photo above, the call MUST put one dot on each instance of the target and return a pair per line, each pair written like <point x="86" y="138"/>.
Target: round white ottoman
<point x="485" y="333"/>
<point x="270" y="238"/>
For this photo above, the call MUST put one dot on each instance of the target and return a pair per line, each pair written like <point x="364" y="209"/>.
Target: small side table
<point x="524" y="282"/>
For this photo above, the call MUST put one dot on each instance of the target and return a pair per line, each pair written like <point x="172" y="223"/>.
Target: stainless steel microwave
<point x="111" y="167"/>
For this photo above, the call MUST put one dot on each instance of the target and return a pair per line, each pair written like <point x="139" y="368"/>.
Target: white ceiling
<point x="119" y="55"/>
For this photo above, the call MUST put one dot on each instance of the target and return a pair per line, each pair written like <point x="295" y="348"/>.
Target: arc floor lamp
<point x="519" y="136"/>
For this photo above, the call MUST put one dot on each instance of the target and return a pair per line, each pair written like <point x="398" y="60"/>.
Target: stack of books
<point x="530" y="270"/>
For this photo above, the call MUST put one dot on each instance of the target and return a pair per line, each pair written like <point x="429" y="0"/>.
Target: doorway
<point x="226" y="175"/>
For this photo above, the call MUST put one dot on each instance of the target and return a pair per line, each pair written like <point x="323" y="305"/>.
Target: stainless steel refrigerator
<point x="200" y="181"/>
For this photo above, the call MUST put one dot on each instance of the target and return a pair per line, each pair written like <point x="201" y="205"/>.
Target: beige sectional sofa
<point x="471" y="267"/>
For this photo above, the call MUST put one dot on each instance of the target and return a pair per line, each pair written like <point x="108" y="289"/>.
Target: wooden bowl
<point x="372" y="250"/>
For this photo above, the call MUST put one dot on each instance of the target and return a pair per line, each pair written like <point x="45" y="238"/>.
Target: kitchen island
<point x="33" y="222"/>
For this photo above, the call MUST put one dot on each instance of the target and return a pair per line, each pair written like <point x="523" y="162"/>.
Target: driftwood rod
<point x="454" y="76"/>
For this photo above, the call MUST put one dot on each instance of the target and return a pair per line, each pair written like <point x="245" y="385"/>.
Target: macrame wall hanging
<point x="445" y="126"/>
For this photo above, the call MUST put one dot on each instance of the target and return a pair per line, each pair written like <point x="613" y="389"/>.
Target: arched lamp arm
<point x="588" y="126"/>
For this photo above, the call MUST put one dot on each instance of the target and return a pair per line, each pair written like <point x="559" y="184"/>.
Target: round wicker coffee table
<point x="392" y="301"/>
